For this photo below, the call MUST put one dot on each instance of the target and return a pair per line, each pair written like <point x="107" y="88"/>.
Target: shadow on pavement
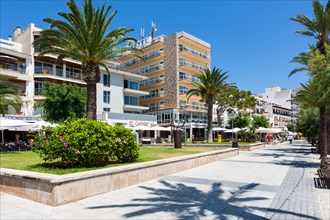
<point x="186" y="202"/>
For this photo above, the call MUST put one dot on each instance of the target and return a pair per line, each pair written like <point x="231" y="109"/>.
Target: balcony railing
<point x="148" y="69"/>
<point x="151" y="81"/>
<point x="184" y="62"/>
<point x="10" y="45"/>
<point x="13" y="67"/>
<point x="189" y="78"/>
<point x="192" y="51"/>
<point x="59" y="73"/>
<point x="136" y="61"/>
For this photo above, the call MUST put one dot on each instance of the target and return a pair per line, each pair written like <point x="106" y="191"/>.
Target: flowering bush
<point x="84" y="142"/>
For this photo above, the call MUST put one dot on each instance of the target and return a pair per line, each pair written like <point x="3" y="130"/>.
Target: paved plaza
<point x="278" y="182"/>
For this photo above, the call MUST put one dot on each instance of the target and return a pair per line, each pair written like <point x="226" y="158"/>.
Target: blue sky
<point x="252" y="40"/>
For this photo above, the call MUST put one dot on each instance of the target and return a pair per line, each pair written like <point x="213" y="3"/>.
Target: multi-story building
<point x="117" y="92"/>
<point x="283" y="98"/>
<point x="171" y="63"/>
<point x="279" y="116"/>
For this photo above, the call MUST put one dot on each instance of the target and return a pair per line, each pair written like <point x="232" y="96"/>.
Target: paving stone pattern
<point x="276" y="182"/>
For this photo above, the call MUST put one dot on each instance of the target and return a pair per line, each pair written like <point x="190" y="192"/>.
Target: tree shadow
<point x="186" y="202"/>
<point x="298" y="164"/>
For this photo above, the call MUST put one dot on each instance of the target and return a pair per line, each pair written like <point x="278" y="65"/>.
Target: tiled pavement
<point x="273" y="183"/>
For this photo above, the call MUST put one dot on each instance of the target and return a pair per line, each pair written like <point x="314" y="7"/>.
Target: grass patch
<point x="30" y="161"/>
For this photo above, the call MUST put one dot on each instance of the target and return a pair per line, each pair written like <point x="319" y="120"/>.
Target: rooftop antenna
<point x="142" y="33"/>
<point x="153" y="30"/>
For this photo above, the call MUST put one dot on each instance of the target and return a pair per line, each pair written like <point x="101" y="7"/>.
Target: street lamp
<point x="231" y="113"/>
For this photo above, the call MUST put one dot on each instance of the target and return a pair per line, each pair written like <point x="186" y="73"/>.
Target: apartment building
<point x="283" y="98"/>
<point x="171" y="63"/>
<point x="19" y="61"/>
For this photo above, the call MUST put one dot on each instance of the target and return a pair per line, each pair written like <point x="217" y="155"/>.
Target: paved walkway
<point x="273" y="183"/>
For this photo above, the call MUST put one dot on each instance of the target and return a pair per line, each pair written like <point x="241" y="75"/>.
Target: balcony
<point x="151" y="81"/>
<point x="9" y="45"/>
<point x="187" y="78"/>
<point x="134" y="62"/>
<point x="191" y="65"/>
<point x="149" y="69"/>
<point x="58" y="75"/>
<point x="193" y="53"/>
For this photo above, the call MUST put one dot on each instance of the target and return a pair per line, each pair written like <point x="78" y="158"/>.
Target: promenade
<point x="277" y="182"/>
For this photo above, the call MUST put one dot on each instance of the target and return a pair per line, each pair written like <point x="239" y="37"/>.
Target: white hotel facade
<point x="19" y="62"/>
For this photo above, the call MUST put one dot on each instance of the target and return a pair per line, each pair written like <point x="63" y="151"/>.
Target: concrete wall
<point x="57" y="190"/>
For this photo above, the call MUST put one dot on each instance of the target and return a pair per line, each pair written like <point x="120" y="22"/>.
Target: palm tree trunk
<point x="209" y="120"/>
<point x="323" y="133"/>
<point x="91" y="77"/>
<point x="91" y="100"/>
<point x="328" y="133"/>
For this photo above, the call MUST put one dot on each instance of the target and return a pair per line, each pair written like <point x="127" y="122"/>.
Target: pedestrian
<point x="269" y="138"/>
<point x="290" y="138"/>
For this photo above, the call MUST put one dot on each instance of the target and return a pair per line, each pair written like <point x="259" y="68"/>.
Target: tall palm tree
<point x="318" y="28"/>
<point x="209" y="85"/>
<point x="8" y="96"/>
<point x="82" y="35"/>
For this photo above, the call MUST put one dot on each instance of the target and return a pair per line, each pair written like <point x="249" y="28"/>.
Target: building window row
<point x="281" y="112"/>
<point x="154" y="93"/>
<point x="185" y="76"/>
<point x="58" y="70"/>
<point x="145" y="57"/>
<point x="193" y="51"/>
<point x="184" y="62"/>
<point x="151" y="81"/>
<point x="148" y="69"/>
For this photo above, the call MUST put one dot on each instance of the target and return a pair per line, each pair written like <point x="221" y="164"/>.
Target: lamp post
<point x="231" y="113"/>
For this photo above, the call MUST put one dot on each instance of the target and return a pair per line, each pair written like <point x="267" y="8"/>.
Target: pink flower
<point x="65" y="145"/>
<point x="46" y="142"/>
<point x="61" y="138"/>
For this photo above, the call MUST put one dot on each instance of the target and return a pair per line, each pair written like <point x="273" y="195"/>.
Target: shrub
<point x="84" y="142"/>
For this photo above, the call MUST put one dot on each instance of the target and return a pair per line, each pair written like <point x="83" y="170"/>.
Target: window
<point x="38" y="88"/>
<point x="106" y="96"/>
<point x="106" y="80"/>
<point x="183" y="89"/>
<point x="130" y="100"/>
<point x="59" y="70"/>
<point x="182" y="103"/>
<point x="130" y="85"/>
<point x="106" y="109"/>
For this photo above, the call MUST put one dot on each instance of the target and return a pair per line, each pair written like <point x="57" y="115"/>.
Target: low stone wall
<point x="57" y="190"/>
<point x="251" y="147"/>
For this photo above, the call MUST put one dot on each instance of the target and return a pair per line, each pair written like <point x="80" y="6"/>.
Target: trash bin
<point x="219" y="138"/>
<point x="235" y="144"/>
<point x="177" y="139"/>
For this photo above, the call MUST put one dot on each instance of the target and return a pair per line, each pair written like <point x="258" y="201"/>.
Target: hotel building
<point x="171" y="63"/>
<point x="20" y="64"/>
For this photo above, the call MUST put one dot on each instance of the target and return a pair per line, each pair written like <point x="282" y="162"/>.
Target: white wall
<point x="116" y="94"/>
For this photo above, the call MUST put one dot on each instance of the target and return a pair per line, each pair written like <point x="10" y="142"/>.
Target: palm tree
<point x="209" y="85"/>
<point x="319" y="28"/>
<point x="8" y="96"/>
<point x="83" y="35"/>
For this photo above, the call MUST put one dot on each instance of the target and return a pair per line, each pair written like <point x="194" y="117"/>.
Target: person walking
<point x="290" y="138"/>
